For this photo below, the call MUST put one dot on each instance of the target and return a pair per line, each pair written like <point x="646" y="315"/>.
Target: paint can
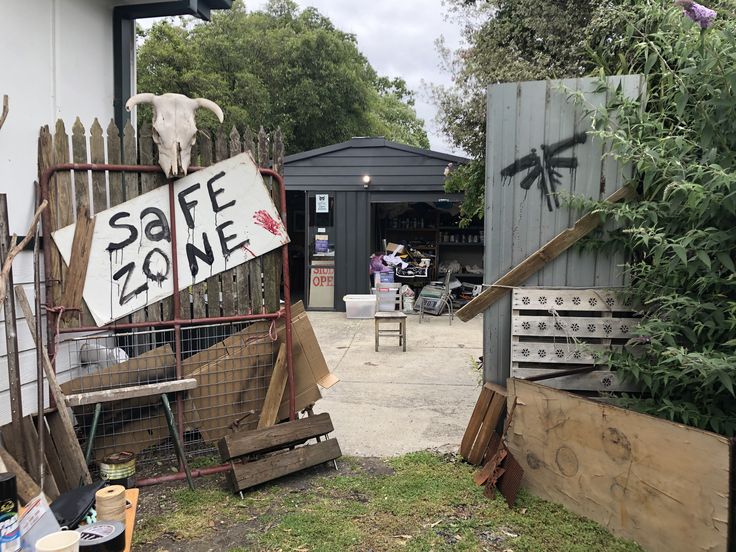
<point x="118" y="467"/>
<point x="103" y="536"/>
<point x="60" y="541"/>
<point x="9" y="528"/>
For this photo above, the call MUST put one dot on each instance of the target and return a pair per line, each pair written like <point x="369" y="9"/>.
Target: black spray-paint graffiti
<point x="156" y="265"/>
<point x="543" y="169"/>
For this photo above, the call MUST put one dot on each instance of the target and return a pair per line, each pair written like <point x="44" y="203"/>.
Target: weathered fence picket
<point x="253" y="287"/>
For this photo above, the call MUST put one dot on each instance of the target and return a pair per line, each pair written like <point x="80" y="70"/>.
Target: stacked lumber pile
<point x="483" y="445"/>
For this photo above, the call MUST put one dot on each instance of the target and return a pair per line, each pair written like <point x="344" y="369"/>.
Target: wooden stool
<point x="391" y="317"/>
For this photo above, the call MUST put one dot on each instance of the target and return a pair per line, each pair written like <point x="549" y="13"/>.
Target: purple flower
<point x="699" y="14"/>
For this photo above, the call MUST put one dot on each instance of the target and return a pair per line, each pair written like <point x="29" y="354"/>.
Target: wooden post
<point x="11" y="340"/>
<point x="537" y="260"/>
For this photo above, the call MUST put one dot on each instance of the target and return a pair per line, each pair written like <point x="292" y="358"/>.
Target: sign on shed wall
<point x="224" y="217"/>
<point x="538" y="152"/>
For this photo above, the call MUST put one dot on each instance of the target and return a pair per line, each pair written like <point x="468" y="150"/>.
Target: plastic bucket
<point x="61" y="541"/>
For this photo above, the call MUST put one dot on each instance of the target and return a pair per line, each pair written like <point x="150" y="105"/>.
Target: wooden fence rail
<point x="253" y="287"/>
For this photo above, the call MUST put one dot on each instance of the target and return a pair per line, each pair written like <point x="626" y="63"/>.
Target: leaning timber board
<point x="555" y="329"/>
<point x="265" y="439"/>
<point x="662" y="484"/>
<point x="279" y="464"/>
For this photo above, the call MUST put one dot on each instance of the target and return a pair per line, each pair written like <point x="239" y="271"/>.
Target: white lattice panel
<point x="560" y="353"/>
<point x="543" y="344"/>
<point x="573" y="327"/>
<point x="569" y="300"/>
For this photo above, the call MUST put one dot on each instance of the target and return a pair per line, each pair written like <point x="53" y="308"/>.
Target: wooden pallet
<point x="269" y="453"/>
<point x="569" y="330"/>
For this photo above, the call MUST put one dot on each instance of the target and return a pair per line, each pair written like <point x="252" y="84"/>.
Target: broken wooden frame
<point x="177" y="321"/>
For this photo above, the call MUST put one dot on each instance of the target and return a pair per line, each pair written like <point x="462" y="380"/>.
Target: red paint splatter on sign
<point x="262" y="218"/>
<point x="246" y="248"/>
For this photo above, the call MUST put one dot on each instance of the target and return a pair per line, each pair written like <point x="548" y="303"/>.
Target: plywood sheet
<point x="662" y="484"/>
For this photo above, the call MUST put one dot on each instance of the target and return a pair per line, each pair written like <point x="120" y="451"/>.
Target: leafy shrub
<point x="680" y="236"/>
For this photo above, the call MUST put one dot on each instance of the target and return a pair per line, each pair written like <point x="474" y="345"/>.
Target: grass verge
<point x="429" y="502"/>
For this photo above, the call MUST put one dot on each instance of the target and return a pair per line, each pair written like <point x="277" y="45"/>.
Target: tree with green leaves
<point x="280" y="67"/>
<point x="506" y="41"/>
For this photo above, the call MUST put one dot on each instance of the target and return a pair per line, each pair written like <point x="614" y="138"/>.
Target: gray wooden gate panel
<point x="522" y="117"/>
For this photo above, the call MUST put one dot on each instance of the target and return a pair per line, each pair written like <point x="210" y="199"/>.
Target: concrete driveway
<point x="390" y="402"/>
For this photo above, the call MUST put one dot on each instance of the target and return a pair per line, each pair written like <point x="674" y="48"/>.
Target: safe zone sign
<point x="224" y="217"/>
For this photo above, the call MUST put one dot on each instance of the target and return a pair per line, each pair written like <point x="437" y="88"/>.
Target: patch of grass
<point x="428" y="503"/>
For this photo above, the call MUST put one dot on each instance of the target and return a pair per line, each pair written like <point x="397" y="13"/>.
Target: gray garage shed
<point x="344" y="200"/>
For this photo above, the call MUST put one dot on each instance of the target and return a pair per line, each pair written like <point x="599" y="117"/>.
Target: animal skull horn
<point x="174" y="127"/>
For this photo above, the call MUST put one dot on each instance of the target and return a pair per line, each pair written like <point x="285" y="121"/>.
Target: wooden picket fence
<point x="251" y="288"/>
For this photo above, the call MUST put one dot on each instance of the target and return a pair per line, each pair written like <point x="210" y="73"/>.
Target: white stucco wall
<point x="57" y="62"/>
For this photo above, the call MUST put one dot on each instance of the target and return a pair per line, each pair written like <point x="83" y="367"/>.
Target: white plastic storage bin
<point x="360" y="306"/>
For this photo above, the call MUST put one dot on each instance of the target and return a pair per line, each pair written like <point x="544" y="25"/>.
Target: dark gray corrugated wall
<point x="352" y="243"/>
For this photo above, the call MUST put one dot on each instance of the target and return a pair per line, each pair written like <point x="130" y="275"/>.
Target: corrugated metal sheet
<point x="523" y="119"/>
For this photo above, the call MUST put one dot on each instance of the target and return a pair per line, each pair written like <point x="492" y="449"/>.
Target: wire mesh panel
<point x="232" y="364"/>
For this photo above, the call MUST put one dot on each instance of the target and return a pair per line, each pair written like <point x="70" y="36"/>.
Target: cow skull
<point x="174" y="127"/>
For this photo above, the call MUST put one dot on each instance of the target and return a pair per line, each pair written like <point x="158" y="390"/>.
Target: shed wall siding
<point x="58" y="63"/>
<point x="522" y="117"/>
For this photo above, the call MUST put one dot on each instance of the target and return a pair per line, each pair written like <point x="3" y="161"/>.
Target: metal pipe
<point x="177" y="314"/>
<point x="181" y="475"/>
<point x="174" y="322"/>
<point x="39" y="355"/>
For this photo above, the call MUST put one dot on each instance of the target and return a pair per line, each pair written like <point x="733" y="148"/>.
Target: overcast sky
<point x="398" y="38"/>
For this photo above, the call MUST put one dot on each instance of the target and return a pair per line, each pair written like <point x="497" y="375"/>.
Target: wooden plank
<point x="566" y="299"/>
<point x="596" y="380"/>
<point x="71" y="297"/>
<point x="79" y="155"/>
<point x="275" y="437"/>
<point x="97" y="155"/>
<point x="132" y="392"/>
<point x="130" y="157"/>
<point x="54" y="460"/>
<point x="488" y="426"/>
<point x="60" y="198"/>
<point x="156" y="365"/>
<point x="574" y="327"/>
<point x="560" y="353"/>
<point x="283" y="463"/>
<point x="30" y="438"/>
<point x="231" y="302"/>
<point x="72" y="451"/>
<point x="662" y="484"/>
<point x="27" y="488"/>
<point x="547" y="253"/>
<point x="145" y="149"/>
<point x="117" y="192"/>
<point x="15" y="429"/>
<point x="476" y="419"/>
<point x="275" y="392"/>
<point x="131" y="495"/>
